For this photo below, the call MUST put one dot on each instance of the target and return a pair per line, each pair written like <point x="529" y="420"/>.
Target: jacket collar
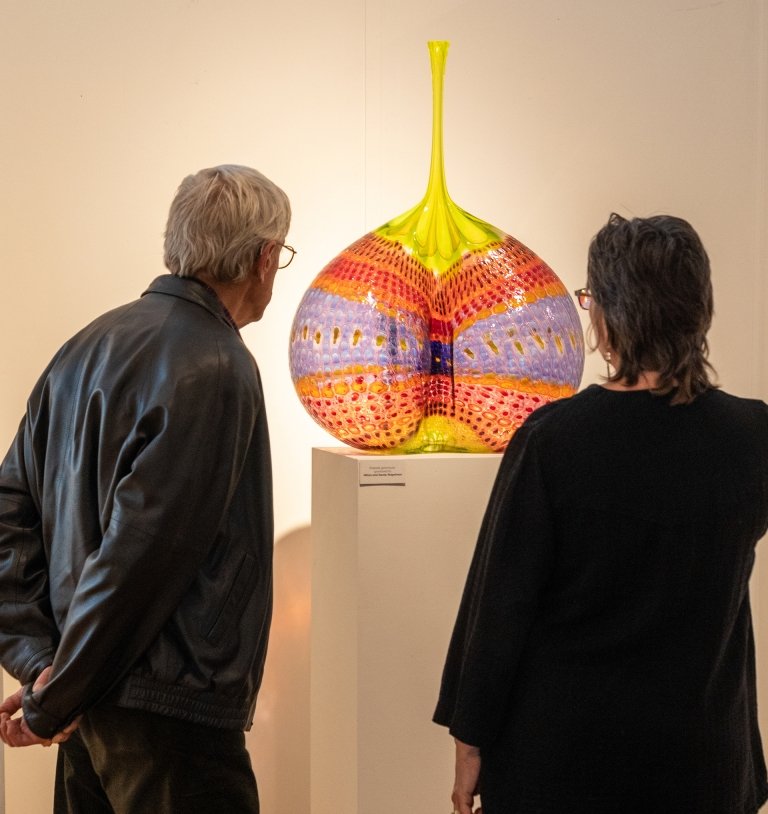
<point x="192" y="290"/>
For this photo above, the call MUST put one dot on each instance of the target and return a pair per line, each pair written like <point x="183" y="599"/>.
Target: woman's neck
<point x="647" y="380"/>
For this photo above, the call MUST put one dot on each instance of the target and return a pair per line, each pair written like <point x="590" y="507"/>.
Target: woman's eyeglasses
<point x="584" y="297"/>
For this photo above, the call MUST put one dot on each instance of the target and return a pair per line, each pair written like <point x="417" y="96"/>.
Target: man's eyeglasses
<point x="584" y="297"/>
<point x="287" y="253"/>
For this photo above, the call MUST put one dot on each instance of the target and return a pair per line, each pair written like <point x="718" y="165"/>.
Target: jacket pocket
<point x="228" y="615"/>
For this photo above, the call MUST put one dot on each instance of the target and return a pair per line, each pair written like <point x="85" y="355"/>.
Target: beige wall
<point x="556" y="113"/>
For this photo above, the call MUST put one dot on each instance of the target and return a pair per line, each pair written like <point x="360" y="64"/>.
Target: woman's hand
<point x="467" y="776"/>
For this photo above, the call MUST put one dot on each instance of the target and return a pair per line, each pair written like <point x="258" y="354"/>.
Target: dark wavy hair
<point x="651" y="288"/>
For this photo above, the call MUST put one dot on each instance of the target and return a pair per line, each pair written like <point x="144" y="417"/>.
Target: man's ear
<point x="266" y="258"/>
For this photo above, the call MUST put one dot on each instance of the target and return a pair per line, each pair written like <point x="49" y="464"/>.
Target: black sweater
<point x="603" y="655"/>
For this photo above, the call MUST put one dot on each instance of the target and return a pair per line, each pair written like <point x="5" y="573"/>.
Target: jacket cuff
<point x="35" y="665"/>
<point x="38" y="720"/>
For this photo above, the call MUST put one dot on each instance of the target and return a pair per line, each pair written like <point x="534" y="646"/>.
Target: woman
<point x="602" y="661"/>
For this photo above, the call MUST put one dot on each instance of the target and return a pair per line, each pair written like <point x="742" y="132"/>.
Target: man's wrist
<point x="38" y="721"/>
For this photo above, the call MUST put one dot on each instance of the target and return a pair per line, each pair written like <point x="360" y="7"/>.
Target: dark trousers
<point x="124" y="761"/>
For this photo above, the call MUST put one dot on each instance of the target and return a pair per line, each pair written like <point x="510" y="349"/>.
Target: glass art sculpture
<point x="436" y="332"/>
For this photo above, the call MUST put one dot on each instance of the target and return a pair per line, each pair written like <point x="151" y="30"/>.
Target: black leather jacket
<point x="136" y="519"/>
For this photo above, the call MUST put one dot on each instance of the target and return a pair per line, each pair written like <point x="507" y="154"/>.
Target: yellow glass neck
<point x="437" y="231"/>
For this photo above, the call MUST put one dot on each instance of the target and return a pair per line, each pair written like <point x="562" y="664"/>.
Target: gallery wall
<point x="556" y="114"/>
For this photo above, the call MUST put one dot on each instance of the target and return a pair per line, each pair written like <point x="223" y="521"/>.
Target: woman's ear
<point x="598" y="330"/>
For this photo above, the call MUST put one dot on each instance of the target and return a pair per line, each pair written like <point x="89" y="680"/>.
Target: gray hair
<point x="219" y="221"/>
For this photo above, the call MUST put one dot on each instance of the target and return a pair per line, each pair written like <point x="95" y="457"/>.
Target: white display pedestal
<point x="389" y="565"/>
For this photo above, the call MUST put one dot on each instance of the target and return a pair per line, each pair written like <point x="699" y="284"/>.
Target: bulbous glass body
<point x="436" y="332"/>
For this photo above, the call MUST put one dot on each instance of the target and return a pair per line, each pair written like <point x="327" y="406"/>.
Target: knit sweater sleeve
<point x="511" y="562"/>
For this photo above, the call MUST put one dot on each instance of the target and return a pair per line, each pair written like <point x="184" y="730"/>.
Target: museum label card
<point x="381" y="473"/>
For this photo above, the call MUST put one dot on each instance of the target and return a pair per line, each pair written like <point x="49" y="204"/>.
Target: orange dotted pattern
<point x="364" y="358"/>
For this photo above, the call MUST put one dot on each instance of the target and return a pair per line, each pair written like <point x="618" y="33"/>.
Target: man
<point x="136" y="525"/>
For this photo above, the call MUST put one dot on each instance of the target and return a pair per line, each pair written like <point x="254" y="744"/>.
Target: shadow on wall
<point x="279" y="740"/>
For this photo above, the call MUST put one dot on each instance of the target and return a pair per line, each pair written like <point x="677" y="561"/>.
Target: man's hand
<point x="467" y="776"/>
<point x="15" y="732"/>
